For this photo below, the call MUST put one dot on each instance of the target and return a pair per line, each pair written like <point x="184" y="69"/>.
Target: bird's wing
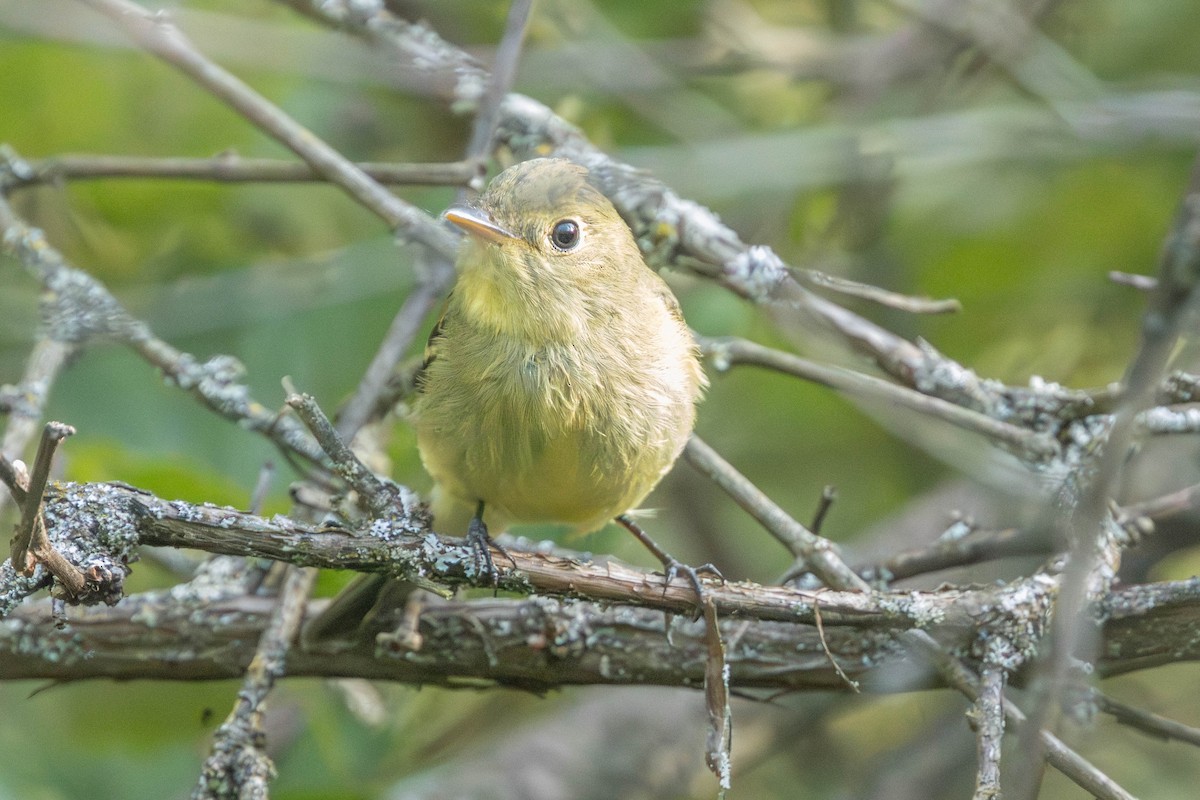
<point x="431" y="347"/>
<point x="670" y="301"/>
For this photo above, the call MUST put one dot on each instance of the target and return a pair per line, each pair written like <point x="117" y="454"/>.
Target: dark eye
<point x="565" y="234"/>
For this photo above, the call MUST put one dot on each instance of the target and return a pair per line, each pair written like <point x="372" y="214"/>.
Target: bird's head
<point x="543" y="223"/>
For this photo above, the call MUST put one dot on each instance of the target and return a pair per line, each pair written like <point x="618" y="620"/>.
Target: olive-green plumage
<point x="560" y="383"/>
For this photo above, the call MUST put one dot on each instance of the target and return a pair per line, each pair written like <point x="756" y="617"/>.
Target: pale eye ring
<point x="565" y="235"/>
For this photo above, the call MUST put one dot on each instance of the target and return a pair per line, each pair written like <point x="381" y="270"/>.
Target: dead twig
<point x="31" y="546"/>
<point x="225" y="168"/>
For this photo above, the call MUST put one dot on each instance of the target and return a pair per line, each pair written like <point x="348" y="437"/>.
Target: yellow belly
<point x="574" y="432"/>
<point x="565" y="479"/>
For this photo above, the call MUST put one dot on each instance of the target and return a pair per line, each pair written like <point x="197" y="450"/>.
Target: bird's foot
<point x="481" y="543"/>
<point x="672" y="566"/>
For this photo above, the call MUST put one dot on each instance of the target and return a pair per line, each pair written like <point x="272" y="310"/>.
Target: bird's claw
<point x="673" y="568"/>
<point x="481" y="544"/>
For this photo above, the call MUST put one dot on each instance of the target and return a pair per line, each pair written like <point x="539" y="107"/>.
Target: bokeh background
<point x="915" y="145"/>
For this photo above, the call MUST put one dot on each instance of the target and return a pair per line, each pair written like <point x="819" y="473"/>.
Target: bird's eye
<point x="565" y="234"/>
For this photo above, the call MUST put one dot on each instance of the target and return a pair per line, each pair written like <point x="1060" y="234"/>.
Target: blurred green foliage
<point x="295" y="280"/>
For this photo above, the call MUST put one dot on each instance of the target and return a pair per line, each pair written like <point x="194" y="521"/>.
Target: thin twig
<point x="877" y="294"/>
<point x="841" y="673"/>
<point x="381" y="498"/>
<point x="31" y="536"/>
<point x="828" y="497"/>
<point x="31" y="545"/>
<point x="947" y="554"/>
<point x="226" y="168"/>
<point x="1186" y="499"/>
<point x="817" y="552"/>
<point x="365" y="401"/>
<point x="1150" y="724"/>
<point x="503" y="73"/>
<point x="726" y="352"/>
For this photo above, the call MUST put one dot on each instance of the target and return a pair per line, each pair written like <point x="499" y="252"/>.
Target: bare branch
<point x="193" y="633"/>
<point x="238" y="766"/>
<point x="729" y="351"/>
<point x="1091" y="564"/>
<point x="988" y="717"/>
<point x="504" y="72"/>
<point x="31" y="546"/>
<point x="878" y="295"/>
<point x="225" y="168"/>
<point x="158" y="36"/>
<point x="1150" y="724"/>
<point x="946" y="553"/>
<point x="817" y="553"/>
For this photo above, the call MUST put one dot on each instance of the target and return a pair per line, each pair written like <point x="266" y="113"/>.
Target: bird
<point x="560" y="382"/>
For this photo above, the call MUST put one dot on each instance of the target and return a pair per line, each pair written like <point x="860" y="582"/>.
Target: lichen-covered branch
<point x="198" y="632"/>
<point x="77" y="309"/>
<point x="403" y="545"/>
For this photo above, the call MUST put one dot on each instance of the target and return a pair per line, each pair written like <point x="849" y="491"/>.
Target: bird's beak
<point x="477" y="223"/>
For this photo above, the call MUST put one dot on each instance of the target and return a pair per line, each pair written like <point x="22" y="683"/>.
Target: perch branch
<point x="404" y="546"/>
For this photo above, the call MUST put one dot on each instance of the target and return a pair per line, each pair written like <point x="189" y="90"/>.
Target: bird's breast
<point x="550" y="433"/>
